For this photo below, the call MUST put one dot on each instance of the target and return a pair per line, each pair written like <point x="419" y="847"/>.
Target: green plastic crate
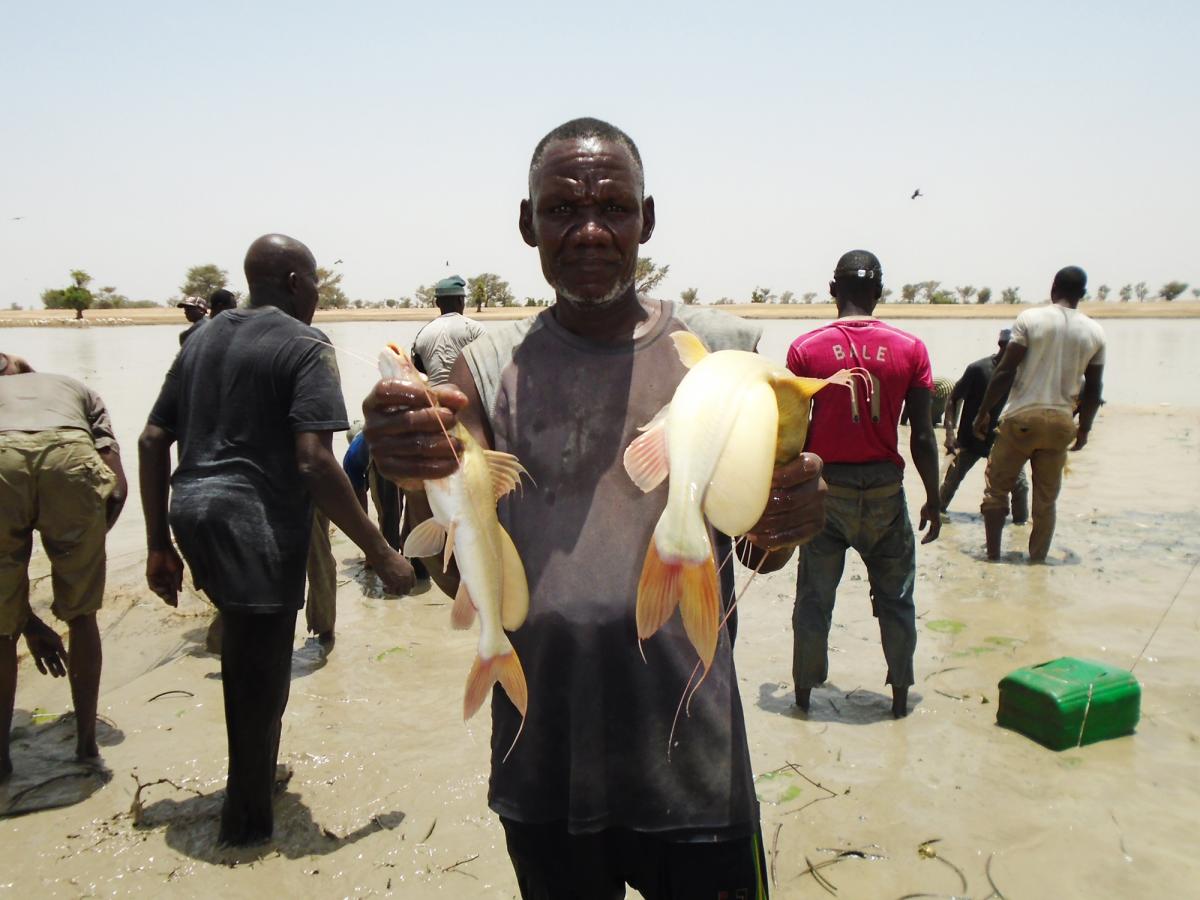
<point x="1069" y="702"/>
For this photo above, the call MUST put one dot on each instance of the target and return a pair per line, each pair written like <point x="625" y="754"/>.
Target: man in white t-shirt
<point x="437" y="345"/>
<point x="1054" y="365"/>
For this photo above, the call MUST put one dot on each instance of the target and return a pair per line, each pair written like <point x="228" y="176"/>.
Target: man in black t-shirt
<point x="253" y="399"/>
<point x="966" y="447"/>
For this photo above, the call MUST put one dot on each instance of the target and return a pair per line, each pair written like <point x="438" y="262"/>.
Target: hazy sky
<point x="141" y="138"/>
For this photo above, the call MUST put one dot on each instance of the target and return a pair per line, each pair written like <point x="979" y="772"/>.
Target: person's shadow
<point x="46" y="773"/>
<point x="829" y="703"/>
<point x="192" y="821"/>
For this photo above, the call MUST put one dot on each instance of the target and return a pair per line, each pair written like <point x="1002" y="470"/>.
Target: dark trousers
<point x="964" y="462"/>
<point x="256" y="669"/>
<point x="863" y="511"/>
<point x="552" y="864"/>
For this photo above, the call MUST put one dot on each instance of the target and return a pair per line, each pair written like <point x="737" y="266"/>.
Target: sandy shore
<point x="389" y="789"/>
<point x="1179" y="309"/>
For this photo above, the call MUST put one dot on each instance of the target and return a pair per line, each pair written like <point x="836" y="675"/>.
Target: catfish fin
<point x="658" y="592"/>
<point x="514" y="596"/>
<point x="427" y="539"/>
<point x="646" y="460"/>
<point x="448" y="550"/>
<point x="689" y="347"/>
<point x="700" y="607"/>
<point x="505" y="470"/>
<point x="462" y="614"/>
<point x="504" y="668"/>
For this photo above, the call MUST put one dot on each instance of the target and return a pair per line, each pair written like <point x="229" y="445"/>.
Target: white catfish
<point x="491" y="574"/>
<point x="733" y="418"/>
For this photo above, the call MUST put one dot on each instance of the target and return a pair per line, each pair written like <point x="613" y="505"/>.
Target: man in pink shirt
<point x="865" y="507"/>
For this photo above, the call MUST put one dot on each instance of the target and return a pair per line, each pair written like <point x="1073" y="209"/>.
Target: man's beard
<point x="608" y="299"/>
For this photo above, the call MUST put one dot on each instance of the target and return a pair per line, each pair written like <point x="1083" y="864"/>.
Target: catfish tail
<point x="691" y="586"/>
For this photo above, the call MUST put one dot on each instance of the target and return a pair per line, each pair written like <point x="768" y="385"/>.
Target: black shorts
<point x="552" y="864"/>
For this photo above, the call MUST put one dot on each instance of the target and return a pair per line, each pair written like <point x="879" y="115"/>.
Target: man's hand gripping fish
<point x="733" y="418"/>
<point x="491" y="575"/>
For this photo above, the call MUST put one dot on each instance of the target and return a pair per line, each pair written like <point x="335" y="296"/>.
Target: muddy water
<point x="388" y="791"/>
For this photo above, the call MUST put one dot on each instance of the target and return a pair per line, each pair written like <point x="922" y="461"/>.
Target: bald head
<point x="281" y="271"/>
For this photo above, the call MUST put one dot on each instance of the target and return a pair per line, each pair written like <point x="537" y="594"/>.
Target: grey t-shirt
<point x="41" y="401"/>
<point x="593" y="752"/>
<point x="441" y="341"/>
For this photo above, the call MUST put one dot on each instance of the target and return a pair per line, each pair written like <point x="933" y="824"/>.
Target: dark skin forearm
<point x="1090" y="397"/>
<point x="923" y="447"/>
<point x="331" y="491"/>
<point x="1003" y="376"/>
<point x="154" y="480"/>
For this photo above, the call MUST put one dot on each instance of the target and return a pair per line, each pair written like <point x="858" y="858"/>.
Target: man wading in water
<point x="857" y="437"/>
<point x="253" y="400"/>
<point x="588" y="798"/>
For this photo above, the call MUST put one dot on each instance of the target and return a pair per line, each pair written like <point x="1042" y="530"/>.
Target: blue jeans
<point x="864" y="509"/>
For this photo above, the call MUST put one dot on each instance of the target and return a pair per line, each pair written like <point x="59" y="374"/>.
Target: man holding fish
<point x="601" y="789"/>
<point x="857" y="437"/>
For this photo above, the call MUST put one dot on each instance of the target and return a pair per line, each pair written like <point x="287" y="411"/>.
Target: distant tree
<point x="1196" y="293"/>
<point x="1010" y="295"/>
<point x="329" y="291"/>
<point x="787" y="298"/>
<point x="1142" y="291"/>
<point x="488" y="289"/>
<point x="390" y="302"/>
<point x="424" y="296"/>
<point x="1126" y="292"/>
<point x="761" y="295"/>
<point x="942" y="297"/>
<point x="965" y="293"/>
<point x="809" y="296"/>
<point x="142" y="304"/>
<point x="689" y="297"/>
<point x="908" y="292"/>
<point x="984" y="295"/>
<point x="76" y="296"/>
<point x="108" y="298"/>
<point x="929" y="288"/>
<point x="201" y="281"/>
<point x="724" y="301"/>
<point x="1172" y="289"/>
<point x="1102" y="293"/>
<point x="14" y="305"/>
<point x="884" y="294"/>
<point x="648" y="276"/>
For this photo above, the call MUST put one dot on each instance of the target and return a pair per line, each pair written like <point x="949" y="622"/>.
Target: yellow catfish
<point x="733" y="418"/>
<point x="491" y="574"/>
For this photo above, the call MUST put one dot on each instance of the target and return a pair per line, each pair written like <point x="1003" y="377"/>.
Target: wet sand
<point x="388" y="794"/>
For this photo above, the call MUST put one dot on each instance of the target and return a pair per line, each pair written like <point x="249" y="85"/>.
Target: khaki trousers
<point x="320" y="613"/>
<point x="1041" y="438"/>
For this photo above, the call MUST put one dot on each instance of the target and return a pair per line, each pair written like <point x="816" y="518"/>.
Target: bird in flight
<point x="915" y="194"/>
<point x="337" y="262"/>
<point x="17" y="218"/>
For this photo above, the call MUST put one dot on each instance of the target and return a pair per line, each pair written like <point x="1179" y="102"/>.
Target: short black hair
<point x="859" y="277"/>
<point x="582" y="129"/>
<point x="1070" y="283"/>
<point x="222" y="298"/>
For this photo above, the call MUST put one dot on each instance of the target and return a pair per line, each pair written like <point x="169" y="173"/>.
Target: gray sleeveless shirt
<point x="593" y="753"/>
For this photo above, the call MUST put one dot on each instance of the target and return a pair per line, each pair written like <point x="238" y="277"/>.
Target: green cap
<point x="454" y="286"/>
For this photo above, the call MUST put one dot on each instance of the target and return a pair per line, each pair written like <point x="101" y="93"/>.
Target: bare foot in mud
<point x="283" y="776"/>
<point x="87" y="751"/>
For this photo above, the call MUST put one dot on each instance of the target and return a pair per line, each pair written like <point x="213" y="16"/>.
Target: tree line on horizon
<point x="489" y="289"/>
